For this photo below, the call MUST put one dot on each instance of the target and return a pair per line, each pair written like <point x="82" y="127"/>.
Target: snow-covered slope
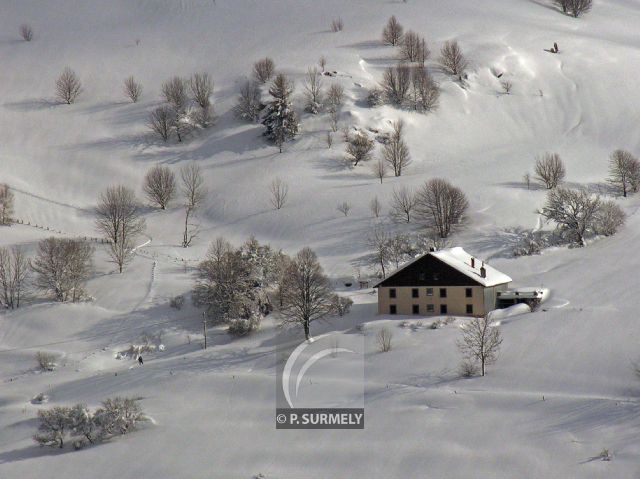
<point x="214" y="409"/>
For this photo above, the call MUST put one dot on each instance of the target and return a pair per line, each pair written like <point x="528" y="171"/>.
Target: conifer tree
<point x="280" y="120"/>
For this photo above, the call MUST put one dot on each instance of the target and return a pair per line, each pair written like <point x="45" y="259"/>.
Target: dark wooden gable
<point x="428" y="271"/>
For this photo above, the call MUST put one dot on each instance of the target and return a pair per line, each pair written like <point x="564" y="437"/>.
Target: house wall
<point x="456" y="300"/>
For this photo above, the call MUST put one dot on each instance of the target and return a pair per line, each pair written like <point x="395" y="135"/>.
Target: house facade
<point x="445" y="282"/>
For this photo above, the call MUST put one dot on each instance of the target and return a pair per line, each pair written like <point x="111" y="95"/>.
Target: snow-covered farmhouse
<point x="449" y="281"/>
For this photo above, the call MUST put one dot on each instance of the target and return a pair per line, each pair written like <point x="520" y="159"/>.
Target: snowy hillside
<point x="563" y="388"/>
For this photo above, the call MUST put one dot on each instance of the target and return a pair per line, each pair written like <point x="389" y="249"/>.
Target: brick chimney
<point x="483" y="271"/>
<point x="473" y="262"/>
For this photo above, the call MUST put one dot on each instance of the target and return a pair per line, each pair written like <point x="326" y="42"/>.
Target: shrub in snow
<point x="313" y="91"/>
<point x="26" y="32"/>
<point x="46" y="361"/>
<point x="132" y="89"/>
<point x="609" y="218"/>
<point x="6" y="205"/>
<point x="264" y="69"/>
<point x="605" y="455"/>
<point x="68" y="86"/>
<point x="341" y="305"/>
<point x="359" y="148"/>
<point x="393" y="32"/>
<point x="249" y="103"/>
<point x="177" y="302"/>
<point x="375" y="97"/>
<point x="550" y="170"/>
<point x="243" y="326"/>
<point x="467" y="369"/>
<point x="452" y="59"/>
<point x="435" y="324"/>
<point x="54" y="426"/>
<point x="118" y="416"/>
<point x="383" y="339"/>
<point x="337" y="25"/>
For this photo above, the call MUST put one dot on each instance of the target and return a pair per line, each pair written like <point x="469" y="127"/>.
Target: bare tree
<point x="378" y="241"/>
<point x="264" y="69"/>
<point x="609" y="218"/>
<point x="425" y="91"/>
<point x="396" y="83"/>
<point x="396" y="152"/>
<point x="507" y="86"/>
<point x="452" y="59"/>
<point x="441" y="205"/>
<point x="335" y="101"/>
<point x="307" y="295"/>
<point x="380" y="169"/>
<point x="322" y="62"/>
<point x="313" y="90"/>
<point x="526" y="178"/>
<point x="383" y="338"/>
<point x="174" y="92"/>
<point x="623" y="169"/>
<point x="574" y="211"/>
<point x="400" y="248"/>
<point x="249" y="104"/>
<point x="14" y="269"/>
<point x="119" y="220"/>
<point x="62" y="267"/>
<point x="414" y="48"/>
<point x="393" y="32"/>
<point x="375" y="206"/>
<point x="359" y="148"/>
<point x="403" y="202"/>
<point x="161" y="120"/>
<point x="344" y="208"/>
<point x="6" y="205"/>
<point x="194" y="193"/>
<point x="160" y="185"/>
<point x="68" y="86"/>
<point x="329" y="139"/>
<point x="279" y="191"/>
<point x="26" y="32"/>
<point x="480" y="342"/>
<point x="337" y="25"/>
<point x="201" y="88"/>
<point x="550" y="170"/>
<point x="132" y="89"/>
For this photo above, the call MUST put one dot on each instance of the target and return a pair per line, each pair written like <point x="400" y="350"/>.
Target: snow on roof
<point x="461" y="260"/>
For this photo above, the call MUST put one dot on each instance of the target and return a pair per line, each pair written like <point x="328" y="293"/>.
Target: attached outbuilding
<point x="449" y="281"/>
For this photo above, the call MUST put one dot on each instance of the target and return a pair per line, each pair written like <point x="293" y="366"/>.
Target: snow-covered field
<point x="213" y="410"/>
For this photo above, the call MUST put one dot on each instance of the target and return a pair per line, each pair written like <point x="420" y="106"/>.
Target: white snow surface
<point x="563" y="387"/>
<point x="459" y="259"/>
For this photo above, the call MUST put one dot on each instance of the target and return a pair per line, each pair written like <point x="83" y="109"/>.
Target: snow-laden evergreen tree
<point x="280" y="119"/>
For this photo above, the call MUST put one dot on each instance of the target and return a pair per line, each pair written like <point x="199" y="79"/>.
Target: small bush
<point x="341" y="305"/>
<point x="46" y="361"/>
<point x="177" y="302"/>
<point x="467" y="369"/>
<point x="26" y="32"/>
<point x="264" y="69"/>
<point x="384" y="338"/>
<point x="244" y="326"/>
<point x="435" y="325"/>
<point x="337" y="25"/>
<point x="605" y="455"/>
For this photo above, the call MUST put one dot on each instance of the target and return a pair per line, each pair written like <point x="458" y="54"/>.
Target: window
<point x="414" y="293"/>
<point x="468" y="293"/>
<point x="392" y="309"/>
<point x="416" y="309"/>
<point x="429" y="291"/>
<point x="392" y="293"/>
<point x="469" y="308"/>
<point x="443" y="292"/>
<point x="443" y="309"/>
<point x="430" y="308"/>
